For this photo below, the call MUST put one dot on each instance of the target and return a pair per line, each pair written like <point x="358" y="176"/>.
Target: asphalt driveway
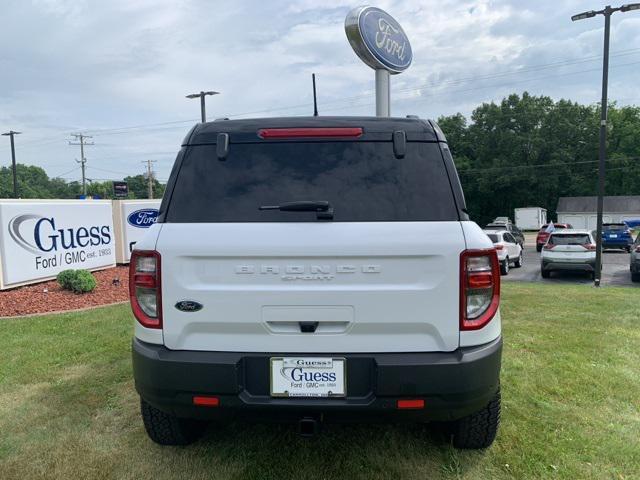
<point x="615" y="270"/>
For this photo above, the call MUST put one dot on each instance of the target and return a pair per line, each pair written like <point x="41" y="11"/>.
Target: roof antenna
<point x="315" y="99"/>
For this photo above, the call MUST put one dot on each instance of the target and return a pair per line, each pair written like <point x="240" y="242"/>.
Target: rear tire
<point x="479" y="429"/>
<point x="545" y="273"/>
<point x="538" y="248"/>
<point x="635" y="277"/>
<point x="518" y="263"/>
<point x="504" y="267"/>
<point x="166" y="429"/>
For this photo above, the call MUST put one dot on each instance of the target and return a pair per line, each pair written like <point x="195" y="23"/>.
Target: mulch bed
<point x="50" y="297"/>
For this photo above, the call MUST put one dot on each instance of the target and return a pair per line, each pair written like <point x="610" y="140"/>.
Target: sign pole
<point x="383" y="93"/>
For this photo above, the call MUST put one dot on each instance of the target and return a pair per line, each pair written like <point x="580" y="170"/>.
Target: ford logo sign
<point x="378" y="39"/>
<point x="188" y="306"/>
<point x="143" y="218"/>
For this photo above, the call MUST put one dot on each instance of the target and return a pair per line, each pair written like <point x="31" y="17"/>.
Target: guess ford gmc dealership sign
<point x="40" y="238"/>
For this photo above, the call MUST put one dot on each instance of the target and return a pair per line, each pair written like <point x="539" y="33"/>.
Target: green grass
<point x="571" y="406"/>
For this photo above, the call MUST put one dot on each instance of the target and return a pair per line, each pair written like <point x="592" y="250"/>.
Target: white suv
<point x="316" y="269"/>
<point x="509" y="250"/>
<point x="568" y="250"/>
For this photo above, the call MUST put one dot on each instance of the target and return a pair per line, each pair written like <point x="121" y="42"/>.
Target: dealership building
<point x="581" y="211"/>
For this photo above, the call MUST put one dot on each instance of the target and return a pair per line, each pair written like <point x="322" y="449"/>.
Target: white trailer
<point x="530" y="218"/>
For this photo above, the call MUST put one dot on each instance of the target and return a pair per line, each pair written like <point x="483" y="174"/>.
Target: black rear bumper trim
<point x="453" y="384"/>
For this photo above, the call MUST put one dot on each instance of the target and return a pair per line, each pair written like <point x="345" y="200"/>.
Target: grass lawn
<point x="571" y="405"/>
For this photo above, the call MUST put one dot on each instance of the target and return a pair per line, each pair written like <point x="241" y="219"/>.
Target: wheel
<point x="504" y="267"/>
<point x="592" y="275"/>
<point x="635" y="277"/>
<point x="628" y="249"/>
<point x="166" y="429"/>
<point x="538" y="248"/>
<point x="545" y="273"/>
<point x="479" y="429"/>
<point x="518" y="263"/>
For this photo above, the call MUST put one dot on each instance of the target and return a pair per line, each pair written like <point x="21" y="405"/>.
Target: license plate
<point x="613" y="235"/>
<point x="308" y="377"/>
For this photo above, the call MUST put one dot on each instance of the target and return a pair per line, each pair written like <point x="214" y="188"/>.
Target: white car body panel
<point x="373" y="287"/>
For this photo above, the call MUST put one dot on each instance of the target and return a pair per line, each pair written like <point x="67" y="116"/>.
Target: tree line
<point x="531" y="150"/>
<point x="33" y="182"/>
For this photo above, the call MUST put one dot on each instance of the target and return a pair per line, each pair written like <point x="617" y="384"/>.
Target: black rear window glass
<point x="363" y="181"/>
<point x="570" y="239"/>
<point x="493" y="237"/>
<point x="615" y="226"/>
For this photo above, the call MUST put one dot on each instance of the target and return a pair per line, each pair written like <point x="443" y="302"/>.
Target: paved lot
<point x="615" y="270"/>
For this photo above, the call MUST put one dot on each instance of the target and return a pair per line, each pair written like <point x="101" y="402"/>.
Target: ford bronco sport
<point x="316" y="269"/>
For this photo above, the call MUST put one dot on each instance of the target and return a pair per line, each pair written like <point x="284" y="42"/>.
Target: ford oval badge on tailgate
<point x="188" y="306"/>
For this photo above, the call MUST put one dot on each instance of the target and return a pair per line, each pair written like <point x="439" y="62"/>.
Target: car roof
<point x="569" y="231"/>
<point x="374" y="128"/>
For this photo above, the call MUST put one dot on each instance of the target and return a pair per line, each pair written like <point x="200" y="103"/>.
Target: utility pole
<point x="602" y="153"/>
<point x="201" y="95"/>
<point x="149" y="177"/>
<point x="82" y="142"/>
<point x="11" y="134"/>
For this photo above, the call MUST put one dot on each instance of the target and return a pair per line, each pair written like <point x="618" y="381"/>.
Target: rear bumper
<point x="617" y="243"/>
<point x="452" y="384"/>
<point x="586" y="266"/>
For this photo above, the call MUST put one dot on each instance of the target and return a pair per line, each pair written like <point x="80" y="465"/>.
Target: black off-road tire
<point x="545" y="273"/>
<point x="166" y="429"/>
<point x="479" y="429"/>
<point x="538" y="248"/>
<point x="635" y="277"/>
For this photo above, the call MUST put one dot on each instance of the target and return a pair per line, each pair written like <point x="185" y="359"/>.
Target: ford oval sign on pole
<point x="380" y="42"/>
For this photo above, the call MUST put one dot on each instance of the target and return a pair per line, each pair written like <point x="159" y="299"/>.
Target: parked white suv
<point x="568" y="250"/>
<point x="316" y="269"/>
<point x="509" y="250"/>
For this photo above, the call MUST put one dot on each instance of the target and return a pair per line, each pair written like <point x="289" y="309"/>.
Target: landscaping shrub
<point x="64" y="278"/>
<point x="78" y="281"/>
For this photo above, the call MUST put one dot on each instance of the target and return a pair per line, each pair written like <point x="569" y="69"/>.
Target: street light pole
<point x="201" y="95"/>
<point x="11" y="134"/>
<point x="602" y="153"/>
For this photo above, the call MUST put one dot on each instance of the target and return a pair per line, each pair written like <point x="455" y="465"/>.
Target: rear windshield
<point x="570" y="239"/>
<point x="363" y="181"/>
<point x="493" y="237"/>
<point x="615" y="227"/>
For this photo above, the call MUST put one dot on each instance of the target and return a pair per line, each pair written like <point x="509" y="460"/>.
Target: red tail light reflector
<point x="638" y="249"/>
<point x="548" y="246"/>
<point x="479" y="288"/>
<point x="410" y="404"/>
<point x="145" y="288"/>
<point x="206" y="401"/>
<point x="589" y="246"/>
<point x="315" y="132"/>
<point x="499" y="247"/>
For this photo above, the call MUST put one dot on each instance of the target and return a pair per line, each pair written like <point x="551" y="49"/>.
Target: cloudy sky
<point x="119" y="70"/>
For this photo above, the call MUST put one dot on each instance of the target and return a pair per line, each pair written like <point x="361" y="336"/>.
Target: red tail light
<point x="479" y="288"/>
<point x="499" y="247"/>
<point x="145" y="288"/>
<point x="638" y="249"/>
<point x="410" y="404"/>
<point x="548" y="246"/>
<point x="589" y="246"/>
<point x="342" y="132"/>
<point x="206" y="401"/>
